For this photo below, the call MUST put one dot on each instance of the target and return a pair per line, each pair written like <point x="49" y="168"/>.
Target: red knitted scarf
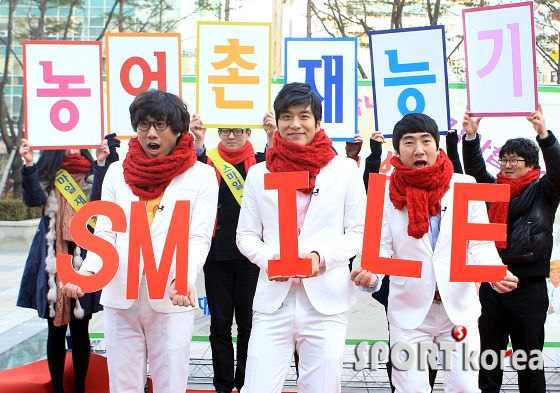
<point x="148" y="177"/>
<point x="76" y="163"/>
<point x="420" y="190"/>
<point x="499" y="210"/>
<point x="286" y="156"/>
<point x="245" y="154"/>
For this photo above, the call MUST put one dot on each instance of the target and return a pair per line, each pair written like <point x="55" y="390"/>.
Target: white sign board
<point x="329" y="66"/>
<point x="135" y="63"/>
<point x="233" y="73"/>
<point x="500" y="60"/>
<point x="408" y="78"/>
<point x="63" y="94"/>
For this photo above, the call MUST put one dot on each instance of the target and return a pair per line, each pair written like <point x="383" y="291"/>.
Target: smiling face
<point x="418" y="150"/>
<point x="516" y="171"/>
<point x="157" y="144"/>
<point x="297" y="125"/>
<point x="234" y="142"/>
<point x="555" y="276"/>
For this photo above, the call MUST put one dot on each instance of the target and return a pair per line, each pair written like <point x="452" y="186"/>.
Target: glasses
<point x="227" y="131"/>
<point x="145" y="125"/>
<point x="512" y="161"/>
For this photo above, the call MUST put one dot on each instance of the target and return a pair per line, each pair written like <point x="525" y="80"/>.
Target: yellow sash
<point x="72" y="192"/>
<point x="230" y="175"/>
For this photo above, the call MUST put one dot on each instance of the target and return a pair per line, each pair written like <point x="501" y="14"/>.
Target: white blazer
<point x="410" y="298"/>
<point x="333" y="226"/>
<point x="199" y="185"/>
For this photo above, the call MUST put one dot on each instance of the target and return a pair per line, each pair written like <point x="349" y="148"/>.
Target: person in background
<point x="160" y="169"/>
<point x="61" y="181"/>
<point x="229" y="277"/>
<point x="529" y="216"/>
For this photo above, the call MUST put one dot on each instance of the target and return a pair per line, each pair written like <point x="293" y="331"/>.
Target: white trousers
<point x="139" y="333"/>
<point x="436" y="328"/>
<point x="319" y="340"/>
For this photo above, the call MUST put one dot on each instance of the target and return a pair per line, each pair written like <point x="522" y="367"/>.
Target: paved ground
<point x="23" y="340"/>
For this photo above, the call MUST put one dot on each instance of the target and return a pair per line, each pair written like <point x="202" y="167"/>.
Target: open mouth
<point x="420" y="164"/>
<point x="153" y="147"/>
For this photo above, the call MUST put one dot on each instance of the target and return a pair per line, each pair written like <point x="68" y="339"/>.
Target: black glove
<point x="376" y="150"/>
<point x="113" y="143"/>
<point x="451" y="141"/>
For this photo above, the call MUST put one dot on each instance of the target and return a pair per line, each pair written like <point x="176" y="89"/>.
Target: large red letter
<point x="148" y="76"/>
<point x="371" y="261"/>
<point x="290" y="263"/>
<point x="463" y="231"/>
<point x="140" y="240"/>
<point x="85" y="239"/>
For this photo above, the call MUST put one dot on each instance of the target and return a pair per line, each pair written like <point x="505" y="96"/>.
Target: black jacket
<point x="530" y="214"/>
<point x="223" y="246"/>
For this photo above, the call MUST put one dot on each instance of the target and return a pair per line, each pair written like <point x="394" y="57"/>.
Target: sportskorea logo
<point x="422" y="355"/>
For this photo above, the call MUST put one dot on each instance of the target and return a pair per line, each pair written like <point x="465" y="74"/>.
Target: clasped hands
<point x="315" y="270"/>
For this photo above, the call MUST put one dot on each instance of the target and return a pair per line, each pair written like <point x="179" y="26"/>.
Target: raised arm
<point x="472" y="154"/>
<point x="551" y="155"/>
<point x="199" y="132"/>
<point x="373" y="161"/>
<point x="33" y="194"/>
<point x="451" y="141"/>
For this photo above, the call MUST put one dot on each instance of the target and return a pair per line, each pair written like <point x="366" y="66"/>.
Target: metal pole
<point x="7" y="170"/>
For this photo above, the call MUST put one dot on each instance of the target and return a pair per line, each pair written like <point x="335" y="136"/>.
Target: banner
<point x="233" y="66"/>
<point x="500" y="60"/>
<point x="137" y="62"/>
<point x="63" y="100"/>
<point x="329" y="66"/>
<point x="407" y="78"/>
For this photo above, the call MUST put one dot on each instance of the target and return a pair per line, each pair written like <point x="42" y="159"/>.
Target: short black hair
<point x="297" y="93"/>
<point x="161" y="106"/>
<point x="414" y="123"/>
<point x="522" y="147"/>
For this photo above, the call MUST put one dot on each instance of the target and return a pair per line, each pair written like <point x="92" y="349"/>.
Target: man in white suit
<point x="417" y="225"/>
<point x="160" y="169"/>
<point x="308" y="313"/>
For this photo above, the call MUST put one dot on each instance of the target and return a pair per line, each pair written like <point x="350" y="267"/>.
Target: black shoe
<point x="223" y="391"/>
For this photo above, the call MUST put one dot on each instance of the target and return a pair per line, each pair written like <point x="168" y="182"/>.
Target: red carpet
<point x="35" y="378"/>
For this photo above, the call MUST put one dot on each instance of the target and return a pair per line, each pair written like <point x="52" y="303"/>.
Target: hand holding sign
<point x="26" y="153"/>
<point x="182" y="300"/>
<point x="72" y="290"/>
<point x="508" y="284"/>
<point x="470" y="124"/>
<point x="537" y="119"/>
